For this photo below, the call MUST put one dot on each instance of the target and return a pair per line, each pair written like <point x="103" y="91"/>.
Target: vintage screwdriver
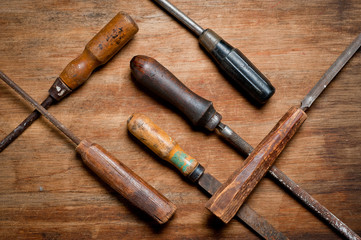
<point x="168" y="149"/>
<point x="228" y="198"/>
<point x="156" y="78"/>
<point x="229" y="59"/>
<point x="109" y="169"/>
<point x="99" y="50"/>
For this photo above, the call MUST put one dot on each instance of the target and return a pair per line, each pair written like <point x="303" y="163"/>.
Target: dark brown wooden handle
<point x="126" y="182"/>
<point x="231" y="195"/>
<point x="155" y="77"/>
<point x="100" y="49"/>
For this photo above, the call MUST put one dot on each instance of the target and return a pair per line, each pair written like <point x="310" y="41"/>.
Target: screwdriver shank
<point x="178" y="14"/>
<point x="40" y="109"/>
<point x="25" y="124"/>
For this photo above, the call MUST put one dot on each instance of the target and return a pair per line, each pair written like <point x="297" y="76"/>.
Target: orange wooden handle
<point x="161" y="143"/>
<point x="231" y="195"/>
<point x="100" y="49"/>
<point x="126" y="182"/>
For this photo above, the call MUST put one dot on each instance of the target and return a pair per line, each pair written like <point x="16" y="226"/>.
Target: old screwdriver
<point x="168" y="149"/>
<point x="109" y="169"/>
<point x="228" y="198"/>
<point x="99" y="50"/>
<point x="156" y="78"/>
<point x="229" y="59"/>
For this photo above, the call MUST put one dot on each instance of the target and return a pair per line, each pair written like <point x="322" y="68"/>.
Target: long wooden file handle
<point x="126" y="182"/>
<point x="228" y="199"/>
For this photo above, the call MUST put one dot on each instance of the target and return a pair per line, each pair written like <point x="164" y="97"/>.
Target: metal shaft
<point x="331" y="73"/>
<point x="25" y="124"/>
<point x="41" y="109"/>
<point x="178" y="14"/>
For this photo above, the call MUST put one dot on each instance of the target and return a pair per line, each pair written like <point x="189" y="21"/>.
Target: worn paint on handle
<point x="161" y="143"/>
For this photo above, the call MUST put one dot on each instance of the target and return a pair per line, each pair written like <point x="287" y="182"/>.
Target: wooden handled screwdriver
<point x="168" y="149"/>
<point x="99" y="50"/>
<point x="156" y="78"/>
<point x="226" y="201"/>
<point x="229" y="59"/>
<point x="110" y="170"/>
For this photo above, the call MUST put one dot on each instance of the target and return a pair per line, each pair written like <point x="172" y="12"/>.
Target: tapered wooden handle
<point x="231" y="195"/>
<point x="126" y="182"/>
<point x="156" y="78"/>
<point x="104" y="45"/>
<point x="161" y="143"/>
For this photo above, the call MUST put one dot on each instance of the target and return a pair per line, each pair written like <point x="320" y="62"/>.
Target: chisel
<point x="99" y="50"/>
<point x="156" y="78"/>
<point x="228" y="198"/>
<point x="229" y="59"/>
<point x="168" y="149"/>
<point x="117" y="175"/>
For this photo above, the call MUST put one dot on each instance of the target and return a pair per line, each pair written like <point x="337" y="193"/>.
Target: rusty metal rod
<point x="40" y="108"/>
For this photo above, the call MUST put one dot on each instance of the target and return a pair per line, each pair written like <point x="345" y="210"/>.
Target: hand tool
<point x="109" y="169"/>
<point x="229" y="59"/>
<point x="168" y="149"/>
<point x="99" y="50"/>
<point x="228" y="198"/>
<point x="201" y="112"/>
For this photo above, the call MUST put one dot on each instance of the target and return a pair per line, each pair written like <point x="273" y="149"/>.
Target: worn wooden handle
<point x="156" y="78"/>
<point x="161" y="143"/>
<point x="100" y="49"/>
<point x="228" y="198"/>
<point x="126" y="182"/>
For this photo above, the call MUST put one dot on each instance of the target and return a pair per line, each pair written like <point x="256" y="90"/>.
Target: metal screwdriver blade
<point x="178" y="14"/>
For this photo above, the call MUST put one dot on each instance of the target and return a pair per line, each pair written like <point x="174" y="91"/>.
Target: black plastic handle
<point x="237" y="67"/>
<point x="155" y="77"/>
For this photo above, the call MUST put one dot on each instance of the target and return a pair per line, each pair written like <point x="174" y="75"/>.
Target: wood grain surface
<point x="47" y="193"/>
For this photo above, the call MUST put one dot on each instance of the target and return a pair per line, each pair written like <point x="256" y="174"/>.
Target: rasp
<point x="228" y="198"/>
<point x="168" y="149"/>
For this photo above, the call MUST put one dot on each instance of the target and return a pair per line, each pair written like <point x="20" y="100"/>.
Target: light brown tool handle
<point x="126" y="182"/>
<point x="100" y="49"/>
<point x="161" y="143"/>
<point x="231" y="195"/>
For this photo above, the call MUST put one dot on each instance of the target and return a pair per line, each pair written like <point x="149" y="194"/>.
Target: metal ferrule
<point x="197" y="173"/>
<point x="59" y="90"/>
<point x="209" y="39"/>
<point x="213" y="121"/>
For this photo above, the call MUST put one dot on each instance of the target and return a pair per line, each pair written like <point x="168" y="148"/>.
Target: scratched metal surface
<point x="46" y="192"/>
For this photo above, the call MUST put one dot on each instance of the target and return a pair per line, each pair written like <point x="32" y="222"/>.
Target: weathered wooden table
<point x="46" y="192"/>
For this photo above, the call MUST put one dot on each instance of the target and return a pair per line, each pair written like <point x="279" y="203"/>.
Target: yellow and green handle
<point x="164" y="146"/>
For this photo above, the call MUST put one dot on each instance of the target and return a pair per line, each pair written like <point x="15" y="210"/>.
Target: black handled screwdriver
<point x="231" y="60"/>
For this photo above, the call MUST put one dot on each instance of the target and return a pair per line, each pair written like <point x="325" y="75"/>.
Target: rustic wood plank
<point x="46" y="192"/>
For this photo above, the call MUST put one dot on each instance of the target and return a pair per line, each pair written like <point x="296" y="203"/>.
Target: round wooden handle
<point x="161" y="143"/>
<point x="155" y="77"/>
<point x="100" y="49"/>
<point x="126" y="182"/>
